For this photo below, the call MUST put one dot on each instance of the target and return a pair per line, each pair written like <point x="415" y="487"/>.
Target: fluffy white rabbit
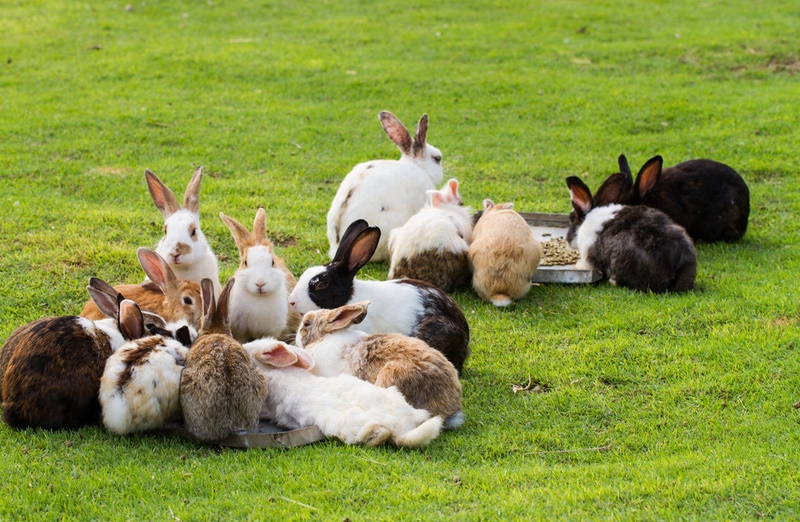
<point x="183" y="245"/>
<point x="344" y="407"/>
<point x="259" y="302"/>
<point x="386" y="193"/>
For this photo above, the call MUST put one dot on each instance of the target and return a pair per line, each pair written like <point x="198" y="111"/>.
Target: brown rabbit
<point x="423" y="375"/>
<point x="52" y="366"/>
<point x="221" y="391"/>
<point x="504" y="254"/>
<point x="164" y="294"/>
<point x="259" y="303"/>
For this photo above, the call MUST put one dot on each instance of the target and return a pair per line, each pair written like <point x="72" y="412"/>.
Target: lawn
<point x="582" y="401"/>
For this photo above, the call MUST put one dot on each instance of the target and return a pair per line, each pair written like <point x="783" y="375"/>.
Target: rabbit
<point x="404" y="306"/>
<point x="387" y="193"/>
<point x="345" y="407"/>
<point x="423" y="375"/>
<point x="433" y="245"/>
<point x="634" y="246"/>
<point x="503" y="254"/>
<point x="163" y="293"/>
<point x="183" y="245"/>
<point x="259" y="302"/>
<point x="221" y="392"/>
<point x="707" y="198"/>
<point x="53" y="365"/>
<point x="140" y="382"/>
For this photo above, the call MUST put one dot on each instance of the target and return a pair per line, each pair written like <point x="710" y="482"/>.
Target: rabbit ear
<point x="278" y="355"/>
<point x="260" y="228"/>
<point x="452" y="185"/>
<point x="209" y="306"/>
<point x="623" y="165"/>
<point x="580" y="194"/>
<point x="157" y="269"/>
<point x="220" y="320"/>
<point x="346" y="315"/>
<point x="612" y="189"/>
<point x="183" y="336"/>
<point x="362" y="249"/>
<point x="420" y="135"/>
<point x="163" y="197"/>
<point x="437" y="200"/>
<point x="487" y="204"/>
<point x="191" y="198"/>
<point x="131" y="322"/>
<point x="353" y="230"/>
<point x="396" y="131"/>
<point x="648" y="177"/>
<point x="104" y="296"/>
<point x="241" y="236"/>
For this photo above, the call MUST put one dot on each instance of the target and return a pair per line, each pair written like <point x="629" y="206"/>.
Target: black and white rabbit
<point x="433" y="245"/>
<point x="53" y="365"/>
<point x="183" y="245"/>
<point x="387" y="193"/>
<point x="707" y="198"/>
<point x="405" y="306"/>
<point x="139" y="389"/>
<point x="634" y="246"/>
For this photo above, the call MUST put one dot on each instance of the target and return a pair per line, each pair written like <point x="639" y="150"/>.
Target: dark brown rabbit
<point x="707" y="198"/>
<point x="221" y="390"/>
<point x="634" y="246"/>
<point x="53" y="366"/>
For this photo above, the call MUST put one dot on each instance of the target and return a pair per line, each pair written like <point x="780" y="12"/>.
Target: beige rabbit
<point x="503" y="255"/>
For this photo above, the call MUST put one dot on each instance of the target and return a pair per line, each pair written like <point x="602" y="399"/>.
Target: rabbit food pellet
<point x="557" y="252"/>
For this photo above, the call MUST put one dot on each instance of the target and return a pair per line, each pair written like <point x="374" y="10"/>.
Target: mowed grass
<point x="582" y="402"/>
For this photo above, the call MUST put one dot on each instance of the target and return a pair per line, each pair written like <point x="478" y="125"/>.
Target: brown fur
<point x="503" y="254"/>
<point x="422" y="374"/>
<point x="52" y="374"/>
<point x="164" y="294"/>
<point x="221" y="390"/>
<point x="447" y="270"/>
<point x="137" y="357"/>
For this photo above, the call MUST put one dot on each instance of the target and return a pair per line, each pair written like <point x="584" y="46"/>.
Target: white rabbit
<point x="344" y="407"/>
<point x="433" y="245"/>
<point x="139" y="389"/>
<point x="259" y="302"/>
<point x="183" y="245"/>
<point x="386" y="193"/>
<point x="423" y="375"/>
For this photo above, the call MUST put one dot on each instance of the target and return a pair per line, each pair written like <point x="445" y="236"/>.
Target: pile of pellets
<point x="557" y="252"/>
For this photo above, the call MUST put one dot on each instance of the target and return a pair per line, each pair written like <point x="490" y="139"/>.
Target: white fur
<point x="336" y="353"/>
<point x="258" y="305"/>
<point x="151" y="397"/>
<point x="108" y="326"/>
<point x="393" y="308"/>
<point x="343" y="406"/>
<point x="445" y="228"/>
<point x="592" y="225"/>
<point x="199" y="262"/>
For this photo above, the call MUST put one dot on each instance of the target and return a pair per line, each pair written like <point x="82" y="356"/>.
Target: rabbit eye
<point x="244" y="263"/>
<point x="318" y="284"/>
<point x="194" y="232"/>
<point x="188" y="301"/>
<point x="437" y="159"/>
<point x="273" y="263"/>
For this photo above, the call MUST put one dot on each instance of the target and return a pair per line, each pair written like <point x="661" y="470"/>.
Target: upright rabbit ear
<point x="362" y="249"/>
<point x="163" y="198"/>
<point x="221" y="320"/>
<point x="437" y="200"/>
<point x="209" y="305"/>
<point x="420" y="135"/>
<point x="580" y="194"/>
<point x="104" y="296"/>
<point x="487" y="204"/>
<point x="260" y="228"/>
<point x="131" y="321"/>
<point x="648" y="177"/>
<point x="157" y="269"/>
<point x="350" y="235"/>
<point x="241" y="236"/>
<point x="191" y="198"/>
<point x="452" y="186"/>
<point x="396" y="131"/>
<point x="612" y="190"/>
<point x="623" y="165"/>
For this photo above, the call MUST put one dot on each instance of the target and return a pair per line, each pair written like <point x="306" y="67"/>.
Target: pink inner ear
<point x="279" y="356"/>
<point x="453" y="185"/>
<point x="577" y="200"/>
<point x="304" y="359"/>
<point x="437" y="199"/>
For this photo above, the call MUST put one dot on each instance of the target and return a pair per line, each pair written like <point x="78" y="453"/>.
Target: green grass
<point x="627" y="406"/>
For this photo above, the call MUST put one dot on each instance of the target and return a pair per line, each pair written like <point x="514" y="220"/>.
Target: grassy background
<point x="582" y="402"/>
